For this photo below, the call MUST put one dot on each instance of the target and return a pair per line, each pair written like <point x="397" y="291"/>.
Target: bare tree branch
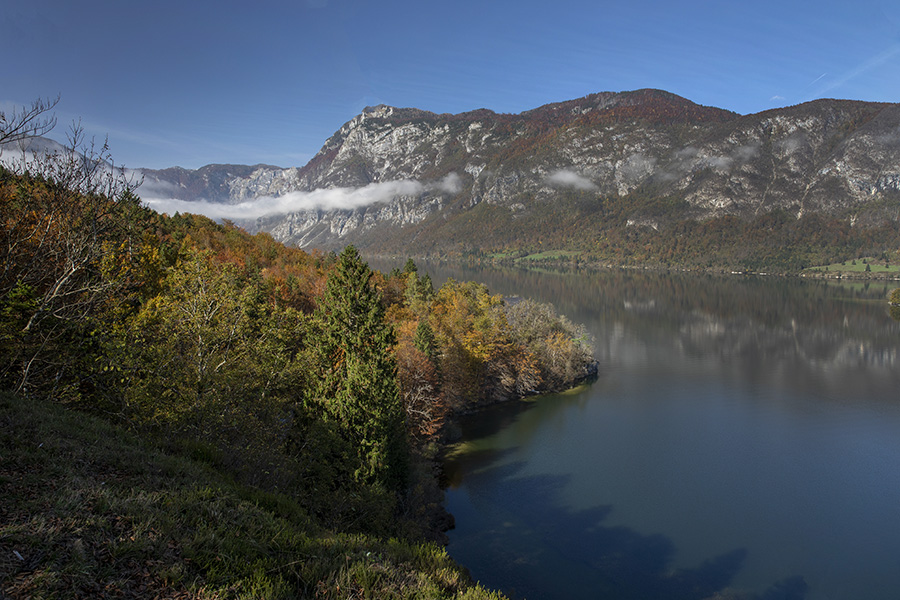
<point x="65" y="219"/>
<point x="30" y="121"/>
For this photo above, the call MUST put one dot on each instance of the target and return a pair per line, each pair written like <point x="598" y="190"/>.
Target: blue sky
<point x="193" y="82"/>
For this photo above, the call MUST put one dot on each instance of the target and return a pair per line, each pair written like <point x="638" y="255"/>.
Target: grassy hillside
<point x="192" y="411"/>
<point x="92" y="511"/>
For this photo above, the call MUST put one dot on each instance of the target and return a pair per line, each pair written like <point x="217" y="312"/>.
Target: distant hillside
<point x="632" y="176"/>
<point x="212" y="181"/>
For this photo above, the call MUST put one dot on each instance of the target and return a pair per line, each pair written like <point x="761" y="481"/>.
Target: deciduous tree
<point x="65" y="223"/>
<point x="30" y="121"/>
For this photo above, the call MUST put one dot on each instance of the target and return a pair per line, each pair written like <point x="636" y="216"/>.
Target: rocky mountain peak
<point x="645" y="158"/>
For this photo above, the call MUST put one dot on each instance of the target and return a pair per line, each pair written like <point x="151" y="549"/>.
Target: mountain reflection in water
<point x="742" y="441"/>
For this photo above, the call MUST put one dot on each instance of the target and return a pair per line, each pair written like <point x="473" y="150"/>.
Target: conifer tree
<point x="419" y="290"/>
<point x="358" y="389"/>
<point x="424" y="340"/>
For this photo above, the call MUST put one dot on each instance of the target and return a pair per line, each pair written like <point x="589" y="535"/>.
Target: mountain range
<point x="589" y="175"/>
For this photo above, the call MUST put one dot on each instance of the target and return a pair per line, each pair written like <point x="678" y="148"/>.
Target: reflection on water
<point x="530" y="547"/>
<point x="741" y="441"/>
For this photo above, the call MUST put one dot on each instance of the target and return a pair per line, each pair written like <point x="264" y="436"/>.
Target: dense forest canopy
<point x="300" y="374"/>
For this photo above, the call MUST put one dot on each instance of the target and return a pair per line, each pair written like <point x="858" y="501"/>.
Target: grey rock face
<point x="837" y="157"/>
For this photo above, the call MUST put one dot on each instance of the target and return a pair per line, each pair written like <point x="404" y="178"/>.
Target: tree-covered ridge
<point x="296" y="374"/>
<point x="651" y="105"/>
<point x="641" y="177"/>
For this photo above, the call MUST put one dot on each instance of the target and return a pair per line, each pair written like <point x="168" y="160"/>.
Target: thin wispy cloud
<point x="817" y="80"/>
<point x="321" y="199"/>
<point x="719" y="163"/>
<point x="570" y="179"/>
<point x="637" y="166"/>
<point x="745" y="153"/>
<point x="864" y="67"/>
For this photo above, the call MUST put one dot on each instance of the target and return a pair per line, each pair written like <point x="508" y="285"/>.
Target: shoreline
<point x="439" y="519"/>
<point x="596" y="266"/>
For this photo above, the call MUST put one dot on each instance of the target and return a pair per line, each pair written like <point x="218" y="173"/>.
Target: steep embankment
<point x="91" y="511"/>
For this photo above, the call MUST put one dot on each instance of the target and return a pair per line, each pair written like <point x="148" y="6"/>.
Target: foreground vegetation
<point x="194" y="411"/>
<point x="92" y="511"/>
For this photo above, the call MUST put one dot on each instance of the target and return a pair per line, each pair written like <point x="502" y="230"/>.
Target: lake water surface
<point x="742" y="438"/>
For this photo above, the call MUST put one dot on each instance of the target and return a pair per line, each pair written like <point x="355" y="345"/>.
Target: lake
<point x="742" y="439"/>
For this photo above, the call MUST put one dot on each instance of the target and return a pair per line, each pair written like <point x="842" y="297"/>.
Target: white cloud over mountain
<point x="322" y="199"/>
<point x="570" y="179"/>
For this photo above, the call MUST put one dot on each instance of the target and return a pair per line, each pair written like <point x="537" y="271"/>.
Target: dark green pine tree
<point x="424" y="339"/>
<point x="358" y="390"/>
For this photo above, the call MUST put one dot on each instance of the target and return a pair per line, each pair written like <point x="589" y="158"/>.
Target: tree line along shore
<point x="193" y="411"/>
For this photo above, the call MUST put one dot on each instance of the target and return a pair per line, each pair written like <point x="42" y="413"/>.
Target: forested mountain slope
<point x="641" y="176"/>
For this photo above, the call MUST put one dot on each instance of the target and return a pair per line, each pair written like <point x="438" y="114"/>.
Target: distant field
<point x="860" y="265"/>
<point x="538" y="256"/>
<point x="551" y="255"/>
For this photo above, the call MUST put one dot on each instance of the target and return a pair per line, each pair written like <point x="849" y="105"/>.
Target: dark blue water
<point x="742" y="441"/>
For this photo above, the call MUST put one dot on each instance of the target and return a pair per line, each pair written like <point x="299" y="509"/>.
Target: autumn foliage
<point x="305" y="373"/>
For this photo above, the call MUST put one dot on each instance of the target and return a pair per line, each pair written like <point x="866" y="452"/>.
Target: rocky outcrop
<point x="660" y="156"/>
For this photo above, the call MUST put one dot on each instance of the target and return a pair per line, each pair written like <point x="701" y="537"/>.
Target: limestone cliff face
<point x="481" y="176"/>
